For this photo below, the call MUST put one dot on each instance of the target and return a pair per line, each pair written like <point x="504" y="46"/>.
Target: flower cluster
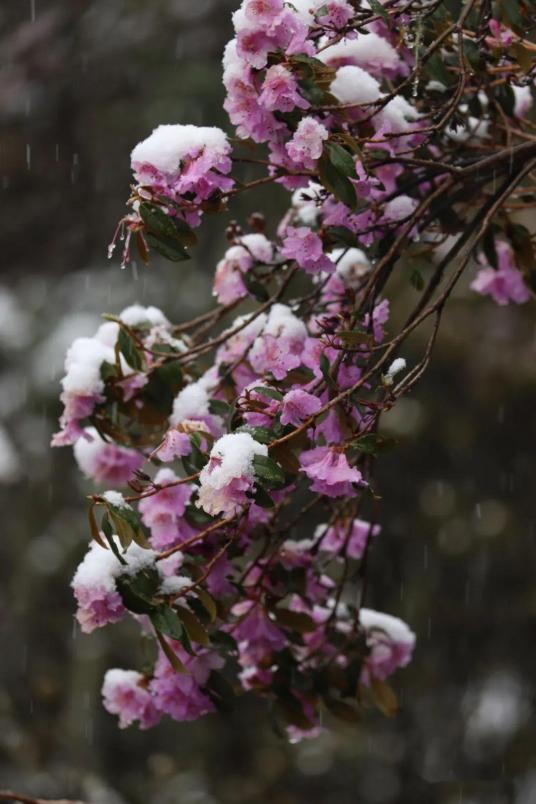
<point x="249" y="448"/>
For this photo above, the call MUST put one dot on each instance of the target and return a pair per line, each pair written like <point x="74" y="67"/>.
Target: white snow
<point x="236" y="452"/>
<point x="116" y="499"/>
<point x="101" y="567"/>
<point x="191" y="403"/>
<point x="399" y="208"/>
<point x="259" y="246"/>
<point x="82" y="366"/>
<point x="352" y="265"/>
<point x="396" y="629"/>
<point x="283" y="323"/>
<point x="168" y="145"/>
<point x="369" y="51"/>
<point x="136" y="315"/>
<point x="354" y="85"/>
<point x="395" y="368"/>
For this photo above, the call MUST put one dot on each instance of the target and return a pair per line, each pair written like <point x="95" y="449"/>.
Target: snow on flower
<point x="240" y="258"/>
<point x="229" y="474"/>
<point x="125" y="694"/>
<point x="307" y="142"/>
<point x="390" y="641"/>
<point x="352" y="85"/>
<point x="94" y="584"/>
<point x="278" y="348"/>
<point x="104" y="461"/>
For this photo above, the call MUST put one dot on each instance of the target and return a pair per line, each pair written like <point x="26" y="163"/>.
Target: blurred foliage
<point x="81" y="82"/>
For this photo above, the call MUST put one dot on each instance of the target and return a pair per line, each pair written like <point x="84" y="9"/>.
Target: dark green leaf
<point x="269" y="392"/>
<point x="341" y="159"/>
<point x="268" y="472"/>
<point x="219" y="408"/>
<point x="166" y="621"/>
<point x="261" y="434"/>
<point x="377" y="7"/>
<point x="129" y="350"/>
<point x="167" y="247"/>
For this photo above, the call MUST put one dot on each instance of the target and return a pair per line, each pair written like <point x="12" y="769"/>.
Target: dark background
<point x="80" y="83"/>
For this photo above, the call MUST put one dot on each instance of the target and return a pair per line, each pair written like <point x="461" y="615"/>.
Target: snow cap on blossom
<point x="371" y="52"/>
<point x="352" y="85"/>
<point x="229" y="474"/>
<point x="125" y="694"/>
<point x="391" y="643"/>
<point x="352" y="265"/>
<point x="138" y="316"/>
<point x="395" y="368"/>
<point x="167" y="148"/>
<point x="106" y="462"/>
<point x="307" y="142"/>
<point x="238" y="259"/>
<point x="278" y="348"/>
<point x="94" y="582"/>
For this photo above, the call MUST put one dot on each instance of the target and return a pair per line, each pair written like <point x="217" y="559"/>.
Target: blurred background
<point x="81" y="81"/>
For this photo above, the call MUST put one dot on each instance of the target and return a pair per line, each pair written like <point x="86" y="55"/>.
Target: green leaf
<point x="219" y="408"/>
<point x="195" y="630"/>
<point x="268" y="472"/>
<point x="208" y="603"/>
<point x="372" y="443"/>
<point x="161" y="224"/>
<point x="355" y="337"/>
<point x="220" y="691"/>
<point x="126" y="524"/>
<point x="129" y="350"/>
<point x="341" y="159"/>
<point x="336" y="182"/>
<point x="295" y="620"/>
<point x="377" y="7"/>
<point x="261" y="434"/>
<point x="417" y="279"/>
<point x="269" y="392"/>
<point x="137" y="591"/>
<point x="340" y="234"/>
<point x="109" y="534"/>
<point x="171" y="656"/>
<point x="262" y="498"/>
<point x="197" y="517"/>
<point x="167" y="622"/>
<point x="167" y="247"/>
<point x="254" y="287"/>
<point x="224" y="641"/>
<point x="385" y="697"/>
<point x="163" y="386"/>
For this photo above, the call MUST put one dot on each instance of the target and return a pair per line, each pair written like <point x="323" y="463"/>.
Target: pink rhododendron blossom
<point x="104" y="461"/>
<point x="280" y="91"/>
<point x="298" y="405"/>
<point x="163" y="512"/>
<point x="390" y="641"/>
<point x="125" y="694"/>
<point x="307" y="143"/>
<point x="348" y="538"/>
<point x="180" y="695"/>
<point x="504" y="283"/>
<point x="330" y="472"/>
<point x="336" y="13"/>
<point x="229" y="474"/>
<point x="174" y="445"/>
<point x="304" y="246"/>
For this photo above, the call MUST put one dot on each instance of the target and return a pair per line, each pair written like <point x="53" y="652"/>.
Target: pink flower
<point x="280" y="91"/>
<point x="307" y="143"/>
<point x="354" y="536"/>
<point x="106" y="462"/>
<point x="380" y="316"/>
<point x="298" y="405"/>
<point x="337" y="13"/>
<point x="390" y="642"/>
<point x="263" y="12"/>
<point x="180" y="695"/>
<point x="97" y="606"/>
<point x="174" y="445"/>
<point x="304" y="246"/>
<point x="163" y="512"/>
<point x="76" y="408"/>
<point x="505" y="283"/>
<point x="229" y="474"/>
<point x="257" y="635"/>
<point x="125" y="694"/>
<point x="330" y="472"/>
